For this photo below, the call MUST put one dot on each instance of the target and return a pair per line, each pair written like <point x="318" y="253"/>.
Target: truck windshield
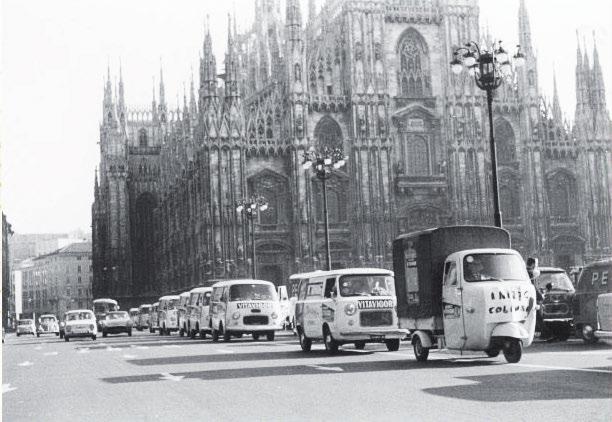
<point x="251" y="292"/>
<point x="557" y="280"/>
<point x="493" y="267"/>
<point x="25" y="322"/>
<point x="367" y="285"/>
<point x="145" y="311"/>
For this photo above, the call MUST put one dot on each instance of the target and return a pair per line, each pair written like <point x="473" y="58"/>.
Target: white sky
<point x="54" y="58"/>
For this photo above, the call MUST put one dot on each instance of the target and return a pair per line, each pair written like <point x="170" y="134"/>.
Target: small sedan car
<point x="80" y="323"/>
<point x="26" y="326"/>
<point x="116" y="322"/>
<point x="47" y="324"/>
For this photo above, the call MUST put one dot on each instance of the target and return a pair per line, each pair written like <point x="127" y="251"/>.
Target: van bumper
<point x="373" y="335"/>
<point x="603" y="334"/>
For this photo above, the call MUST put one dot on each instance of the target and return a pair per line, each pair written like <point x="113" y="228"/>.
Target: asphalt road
<point x="147" y="377"/>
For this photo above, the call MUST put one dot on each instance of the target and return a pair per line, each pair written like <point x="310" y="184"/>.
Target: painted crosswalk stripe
<point x="564" y="368"/>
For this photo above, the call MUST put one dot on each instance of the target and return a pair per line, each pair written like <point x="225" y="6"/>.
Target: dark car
<point x="116" y="322"/>
<point x="558" y="292"/>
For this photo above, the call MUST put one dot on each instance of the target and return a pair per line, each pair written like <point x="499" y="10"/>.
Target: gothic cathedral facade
<point x="372" y="78"/>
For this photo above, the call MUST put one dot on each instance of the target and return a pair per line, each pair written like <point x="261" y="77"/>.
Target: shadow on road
<point x="272" y="371"/>
<point x="240" y="357"/>
<point x="527" y="386"/>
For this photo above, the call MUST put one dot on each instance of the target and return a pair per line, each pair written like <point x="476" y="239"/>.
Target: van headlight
<point x="91" y="327"/>
<point x="236" y="315"/>
<point x="350" y="309"/>
<point x="274" y="315"/>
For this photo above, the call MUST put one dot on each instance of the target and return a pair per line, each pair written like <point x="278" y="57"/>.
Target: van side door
<point x="312" y="308"/>
<point x="452" y="307"/>
<point x="328" y="304"/>
<point x="204" y="310"/>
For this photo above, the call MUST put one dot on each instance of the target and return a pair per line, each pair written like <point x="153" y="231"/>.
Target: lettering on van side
<point x="253" y="305"/>
<point x="375" y="304"/>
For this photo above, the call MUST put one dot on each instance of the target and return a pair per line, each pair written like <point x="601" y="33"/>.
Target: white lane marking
<point x="327" y="368"/>
<point x="38" y="348"/>
<point x="129" y="356"/>
<point x="563" y="368"/>
<point x="169" y="377"/>
<point x="112" y="349"/>
<point x="224" y="351"/>
<point x="83" y="350"/>
<point x="50" y="354"/>
<point x="597" y="352"/>
<point x="174" y="346"/>
<point x="142" y="347"/>
<point x="7" y="387"/>
<point x="26" y="363"/>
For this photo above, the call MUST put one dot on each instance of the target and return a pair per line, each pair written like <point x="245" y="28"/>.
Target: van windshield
<point x="367" y="285"/>
<point x="240" y="292"/>
<point x="25" y="322"/>
<point x="78" y="316"/>
<point x="558" y="281"/>
<point x="145" y="311"/>
<point x="494" y="267"/>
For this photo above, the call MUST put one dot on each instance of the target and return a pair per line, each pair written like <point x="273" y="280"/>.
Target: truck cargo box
<point x="418" y="263"/>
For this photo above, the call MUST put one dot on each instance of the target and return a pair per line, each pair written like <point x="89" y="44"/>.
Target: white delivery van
<point x="353" y="305"/>
<point x="244" y="307"/>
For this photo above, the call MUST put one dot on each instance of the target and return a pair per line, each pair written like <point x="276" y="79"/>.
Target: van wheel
<point x="93" y="337"/>
<point x="331" y="345"/>
<point x="588" y="334"/>
<point x="421" y="353"/>
<point x="66" y="338"/>
<point x="360" y="345"/>
<point x="393" y="344"/>
<point x="255" y="336"/>
<point x="492" y="353"/>
<point x="182" y="332"/>
<point x="305" y="342"/>
<point x="151" y="330"/>
<point x="513" y="350"/>
<point x="192" y="333"/>
<point x="215" y="335"/>
<point x="226" y="334"/>
<point x="104" y="334"/>
<point x="270" y="336"/>
<point x="202" y="334"/>
<point x="130" y="333"/>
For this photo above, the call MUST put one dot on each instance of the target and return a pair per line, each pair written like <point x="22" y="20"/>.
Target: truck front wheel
<point x="421" y="353"/>
<point x="513" y="350"/>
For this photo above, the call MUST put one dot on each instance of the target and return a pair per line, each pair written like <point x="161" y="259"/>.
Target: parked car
<point x="604" y="317"/>
<point x="134" y="316"/>
<point x="144" y="315"/>
<point x="80" y="323"/>
<point x="26" y="326"/>
<point x="593" y="282"/>
<point x="115" y="323"/>
<point x="558" y="292"/>
<point x="182" y="313"/>
<point x="47" y="324"/>
<point x="154" y="318"/>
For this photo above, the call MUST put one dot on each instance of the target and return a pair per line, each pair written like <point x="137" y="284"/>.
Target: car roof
<point x="185" y="294"/>
<point x="241" y="281"/>
<point x="48" y="316"/>
<point x="200" y="290"/>
<point x="133" y="309"/>
<point x="343" y="271"/>
<point x="155" y="304"/>
<point x="26" y="319"/>
<point x="169" y="297"/>
<point x="144" y="305"/>
<point x="76" y="311"/>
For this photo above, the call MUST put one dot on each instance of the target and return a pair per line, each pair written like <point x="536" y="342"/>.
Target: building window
<point x="142" y="138"/>
<point x="506" y="145"/>
<point x="68" y="291"/>
<point x="328" y="133"/>
<point x="79" y="279"/>
<point x="418" y="156"/>
<point x="78" y="258"/>
<point x="80" y="292"/>
<point x="414" y="75"/>
<point x="78" y="269"/>
<point x="561" y="195"/>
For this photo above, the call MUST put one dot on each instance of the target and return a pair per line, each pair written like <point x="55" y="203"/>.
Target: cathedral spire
<point x="109" y="116"/>
<point x="293" y="20"/>
<point x="208" y="67"/>
<point x="556" y="108"/>
<point x="231" y="63"/>
<point x="525" y="31"/>
<point x="598" y="92"/>
<point x="192" y="99"/>
<point x="162" y="95"/>
<point x="121" y="101"/>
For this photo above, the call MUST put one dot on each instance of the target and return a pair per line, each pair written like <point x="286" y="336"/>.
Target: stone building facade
<point x="58" y="281"/>
<point x="370" y="77"/>
<point x="8" y="308"/>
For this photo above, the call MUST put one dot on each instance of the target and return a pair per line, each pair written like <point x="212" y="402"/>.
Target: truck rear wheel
<point x="421" y="353"/>
<point x="331" y="345"/>
<point x="305" y="342"/>
<point x="513" y="350"/>
<point x="270" y="336"/>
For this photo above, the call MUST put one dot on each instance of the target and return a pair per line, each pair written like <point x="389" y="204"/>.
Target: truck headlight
<point x="236" y="315"/>
<point x="350" y="309"/>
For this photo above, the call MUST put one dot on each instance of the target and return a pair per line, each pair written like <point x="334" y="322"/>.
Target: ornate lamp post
<point x="250" y="207"/>
<point x="322" y="163"/>
<point x="488" y="68"/>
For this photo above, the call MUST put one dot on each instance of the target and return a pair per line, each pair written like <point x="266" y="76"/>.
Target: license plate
<point x="377" y="338"/>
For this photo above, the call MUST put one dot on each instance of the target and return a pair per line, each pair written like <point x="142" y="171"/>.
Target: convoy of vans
<point x="460" y="288"/>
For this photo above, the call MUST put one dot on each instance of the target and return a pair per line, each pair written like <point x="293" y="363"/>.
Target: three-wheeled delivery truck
<point x="463" y="288"/>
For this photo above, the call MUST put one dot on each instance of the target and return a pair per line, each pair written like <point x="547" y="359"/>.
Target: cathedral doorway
<point x="567" y="251"/>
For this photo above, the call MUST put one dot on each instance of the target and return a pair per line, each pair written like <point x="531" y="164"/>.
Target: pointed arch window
<point x="505" y="142"/>
<point x="509" y="194"/>
<point x="561" y="195"/>
<point x="414" y="74"/>
<point x="142" y="138"/>
<point x="337" y="200"/>
<point x="418" y="156"/>
<point x="328" y="133"/>
<point x="274" y="188"/>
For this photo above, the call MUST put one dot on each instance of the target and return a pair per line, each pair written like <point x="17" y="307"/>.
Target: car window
<point x="314" y="289"/>
<point x="330" y="287"/>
